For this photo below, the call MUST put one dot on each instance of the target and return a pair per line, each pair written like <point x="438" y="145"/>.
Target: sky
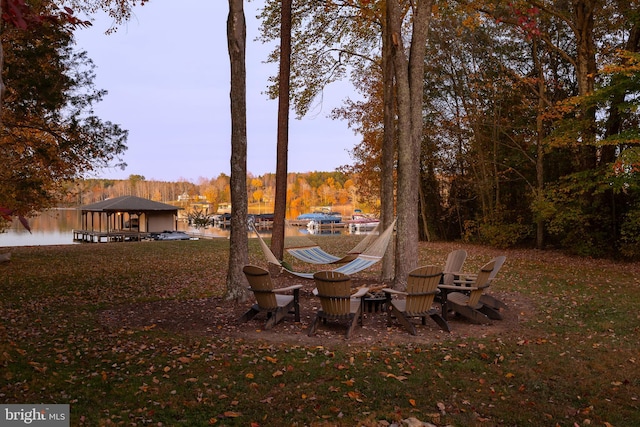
<point x="167" y="76"/>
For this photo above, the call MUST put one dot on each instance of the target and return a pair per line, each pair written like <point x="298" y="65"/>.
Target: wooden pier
<point x="328" y="226"/>
<point x="91" y="236"/>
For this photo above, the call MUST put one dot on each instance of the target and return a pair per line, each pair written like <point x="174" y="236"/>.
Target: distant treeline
<point x="305" y="190"/>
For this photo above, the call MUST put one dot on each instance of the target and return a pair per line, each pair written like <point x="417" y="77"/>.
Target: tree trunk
<point x="388" y="149"/>
<point x="2" y="87"/>
<point x="540" y="136"/>
<point x="409" y="73"/>
<point x="280" y="208"/>
<point x="239" y="245"/>
<point x="586" y="71"/>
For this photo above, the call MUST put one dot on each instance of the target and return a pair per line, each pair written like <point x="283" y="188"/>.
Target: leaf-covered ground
<point x="214" y="316"/>
<point x="139" y="334"/>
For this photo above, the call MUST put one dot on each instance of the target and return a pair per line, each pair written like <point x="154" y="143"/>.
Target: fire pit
<point x="374" y="302"/>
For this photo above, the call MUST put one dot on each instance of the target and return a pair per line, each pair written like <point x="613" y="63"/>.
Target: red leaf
<point x="25" y="223"/>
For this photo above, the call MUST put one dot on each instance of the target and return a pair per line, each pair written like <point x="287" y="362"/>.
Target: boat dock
<point x="327" y="226"/>
<point x="91" y="236"/>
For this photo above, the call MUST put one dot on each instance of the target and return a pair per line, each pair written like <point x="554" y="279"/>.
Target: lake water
<point x="55" y="227"/>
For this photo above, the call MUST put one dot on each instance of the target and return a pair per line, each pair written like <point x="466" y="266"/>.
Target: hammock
<point x="366" y="259"/>
<point x="311" y="253"/>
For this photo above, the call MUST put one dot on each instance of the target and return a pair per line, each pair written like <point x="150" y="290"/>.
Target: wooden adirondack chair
<point x="422" y="287"/>
<point x="465" y="298"/>
<point x="336" y="300"/>
<point x="486" y="299"/>
<point x="275" y="302"/>
<point x="453" y="266"/>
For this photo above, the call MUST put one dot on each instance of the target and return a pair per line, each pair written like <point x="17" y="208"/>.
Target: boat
<point x="360" y="223"/>
<point x="321" y="217"/>
<point x="173" y="235"/>
<point x="314" y="229"/>
<point x="362" y="226"/>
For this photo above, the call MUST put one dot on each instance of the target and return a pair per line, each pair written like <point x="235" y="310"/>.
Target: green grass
<point x="574" y="361"/>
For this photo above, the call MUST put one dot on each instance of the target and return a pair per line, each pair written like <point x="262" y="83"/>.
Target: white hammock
<point x="366" y="259"/>
<point x="309" y="252"/>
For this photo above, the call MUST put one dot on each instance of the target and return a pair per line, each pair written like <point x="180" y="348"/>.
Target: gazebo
<point x="125" y="218"/>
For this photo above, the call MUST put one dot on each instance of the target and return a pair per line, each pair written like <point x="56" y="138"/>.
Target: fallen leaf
<point x="355" y="396"/>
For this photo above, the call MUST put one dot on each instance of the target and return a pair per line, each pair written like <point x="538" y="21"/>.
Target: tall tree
<point x="409" y="77"/>
<point x="19" y="14"/>
<point x="2" y="87"/>
<point x="329" y="41"/>
<point x="280" y="208"/>
<point x="388" y="152"/>
<point x="239" y="244"/>
<point x="50" y="133"/>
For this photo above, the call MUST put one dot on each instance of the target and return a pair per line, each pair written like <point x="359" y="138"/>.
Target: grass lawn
<point x="574" y="362"/>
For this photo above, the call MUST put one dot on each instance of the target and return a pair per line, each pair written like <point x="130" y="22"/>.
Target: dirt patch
<point x="216" y="317"/>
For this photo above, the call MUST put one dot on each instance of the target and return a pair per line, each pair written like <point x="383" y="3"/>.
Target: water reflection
<point x="55" y="227"/>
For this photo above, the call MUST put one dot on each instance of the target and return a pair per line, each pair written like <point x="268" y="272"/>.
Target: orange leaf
<point x="354" y="395"/>
<point x="412" y="402"/>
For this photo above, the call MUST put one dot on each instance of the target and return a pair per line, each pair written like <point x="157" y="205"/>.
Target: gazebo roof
<point x="128" y="204"/>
